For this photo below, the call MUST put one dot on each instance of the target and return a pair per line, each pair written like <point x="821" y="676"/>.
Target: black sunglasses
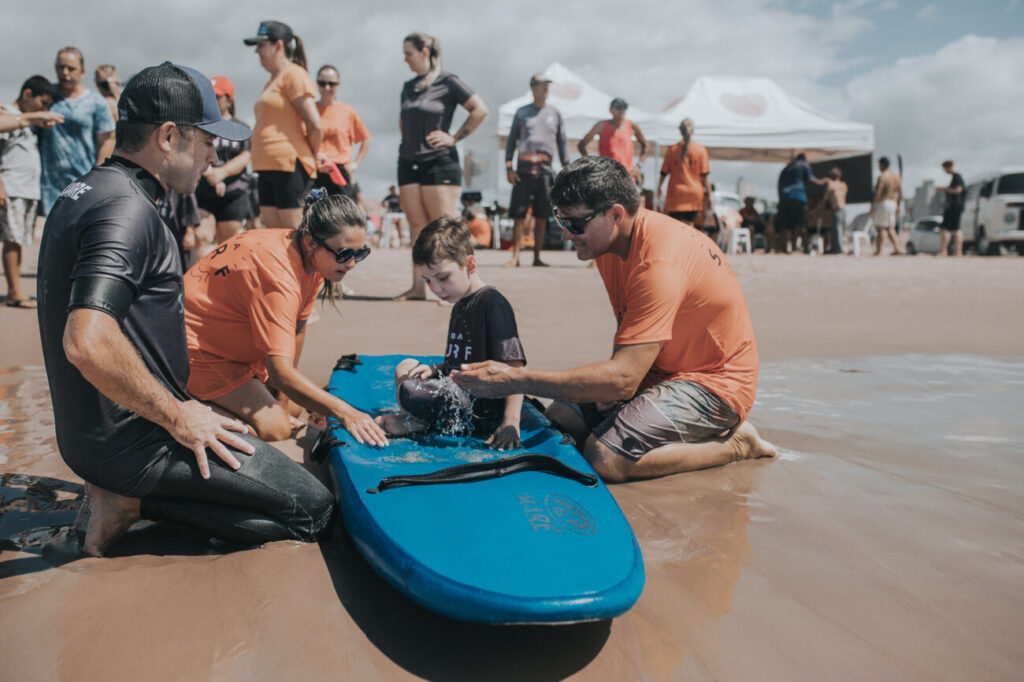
<point x="327" y="84"/>
<point x="346" y="254"/>
<point x="578" y="225"/>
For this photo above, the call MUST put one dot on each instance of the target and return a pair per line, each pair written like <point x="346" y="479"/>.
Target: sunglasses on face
<point x="327" y="84"/>
<point x="578" y="225"/>
<point x="346" y="254"/>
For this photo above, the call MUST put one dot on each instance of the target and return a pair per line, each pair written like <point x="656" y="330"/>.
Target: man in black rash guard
<point x="111" y="319"/>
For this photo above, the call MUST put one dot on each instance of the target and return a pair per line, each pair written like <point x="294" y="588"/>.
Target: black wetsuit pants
<point x="270" y="497"/>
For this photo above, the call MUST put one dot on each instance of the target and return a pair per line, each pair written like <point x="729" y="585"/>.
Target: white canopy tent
<point x="581" y="104"/>
<point x="753" y="119"/>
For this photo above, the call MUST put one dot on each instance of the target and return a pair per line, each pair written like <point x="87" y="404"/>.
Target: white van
<point x="993" y="217"/>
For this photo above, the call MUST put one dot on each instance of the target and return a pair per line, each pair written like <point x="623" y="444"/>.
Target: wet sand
<point x="885" y="542"/>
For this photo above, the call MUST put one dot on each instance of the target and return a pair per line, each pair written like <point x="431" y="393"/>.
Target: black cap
<point x="271" y="30"/>
<point x="618" y="104"/>
<point x="178" y="94"/>
<point x="539" y="79"/>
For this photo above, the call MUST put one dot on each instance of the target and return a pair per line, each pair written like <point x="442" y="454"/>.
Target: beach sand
<point x="885" y="543"/>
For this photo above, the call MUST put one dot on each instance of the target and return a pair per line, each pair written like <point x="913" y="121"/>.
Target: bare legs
<point x="957" y="238"/>
<point x="423" y="204"/>
<point x="883" y="232"/>
<point x="674" y="458"/>
<point x="280" y="217"/>
<point x="270" y="418"/>
<point x="12" y="272"/>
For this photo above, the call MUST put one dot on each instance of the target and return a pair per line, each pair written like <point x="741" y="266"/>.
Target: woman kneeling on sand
<point x="246" y="307"/>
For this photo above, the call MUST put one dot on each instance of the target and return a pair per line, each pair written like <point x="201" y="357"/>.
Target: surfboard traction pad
<point x="518" y="547"/>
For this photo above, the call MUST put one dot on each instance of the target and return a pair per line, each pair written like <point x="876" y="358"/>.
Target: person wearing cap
<point x="111" y="322"/>
<point x="689" y="177"/>
<point x="429" y="176"/>
<point x="85" y="138"/>
<point x="287" y="134"/>
<point x="615" y="137"/>
<point x="537" y="130"/>
<point x="343" y="130"/>
<point x="223" y="194"/>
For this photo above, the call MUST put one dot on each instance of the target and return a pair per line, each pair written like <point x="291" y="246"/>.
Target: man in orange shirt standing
<point x="681" y="381"/>
<point x="688" y="172"/>
<point x="616" y="138"/>
<point x="343" y="130"/>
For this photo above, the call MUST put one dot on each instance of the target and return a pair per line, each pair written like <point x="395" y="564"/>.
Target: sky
<point x="937" y="79"/>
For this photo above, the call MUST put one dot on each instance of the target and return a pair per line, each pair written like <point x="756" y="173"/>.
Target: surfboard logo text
<point x="570" y="515"/>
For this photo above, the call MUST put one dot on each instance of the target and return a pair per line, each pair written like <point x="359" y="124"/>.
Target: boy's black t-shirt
<point x="482" y="327"/>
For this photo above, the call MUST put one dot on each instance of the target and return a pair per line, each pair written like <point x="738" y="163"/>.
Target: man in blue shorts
<point x="538" y="130"/>
<point x="111" y="321"/>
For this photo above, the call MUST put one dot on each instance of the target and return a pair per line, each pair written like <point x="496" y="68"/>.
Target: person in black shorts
<point x="482" y="327"/>
<point x="224" y="193"/>
<point x="429" y="178"/>
<point x="538" y="130"/>
<point x="951" y="211"/>
<point x="111" y="322"/>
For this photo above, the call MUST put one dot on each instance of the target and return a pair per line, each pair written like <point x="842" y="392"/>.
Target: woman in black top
<point x="429" y="178"/>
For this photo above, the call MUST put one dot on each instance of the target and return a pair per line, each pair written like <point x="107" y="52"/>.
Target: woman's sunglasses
<point x="578" y="225"/>
<point x="346" y="254"/>
<point x="327" y="84"/>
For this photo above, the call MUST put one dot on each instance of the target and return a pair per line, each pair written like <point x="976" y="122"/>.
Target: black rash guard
<point x="105" y="247"/>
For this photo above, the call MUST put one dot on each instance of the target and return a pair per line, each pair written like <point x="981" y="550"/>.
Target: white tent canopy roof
<point x="753" y="119"/>
<point x="582" y="105"/>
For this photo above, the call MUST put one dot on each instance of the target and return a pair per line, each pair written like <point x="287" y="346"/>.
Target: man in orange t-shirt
<point x="683" y="373"/>
<point x="688" y="172"/>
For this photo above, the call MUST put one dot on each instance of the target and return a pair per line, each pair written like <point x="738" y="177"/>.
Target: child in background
<point x="482" y="327"/>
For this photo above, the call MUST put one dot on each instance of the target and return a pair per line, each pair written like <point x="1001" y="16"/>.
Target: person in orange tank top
<point x="681" y="381"/>
<point x="615" y="138"/>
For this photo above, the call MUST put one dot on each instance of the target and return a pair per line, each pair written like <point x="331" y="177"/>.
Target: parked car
<point x="993" y="217"/>
<point x="924" y="236"/>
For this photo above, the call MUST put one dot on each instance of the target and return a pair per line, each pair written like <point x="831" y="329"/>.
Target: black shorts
<point x="281" y="189"/>
<point x="347" y="190"/>
<point x="685" y="216"/>
<point x="233" y="206"/>
<point x="444" y="170"/>
<point x="951" y="219"/>
<point x="790" y="215"/>
<point x="532" y="190"/>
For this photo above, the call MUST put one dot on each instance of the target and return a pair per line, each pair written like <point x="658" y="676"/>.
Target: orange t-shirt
<point x="279" y="135"/>
<point x="343" y="129"/>
<point x="618" y="144"/>
<point x="685" y="183"/>
<point x="676" y="286"/>
<point x="244" y="299"/>
<point x="480" y="228"/>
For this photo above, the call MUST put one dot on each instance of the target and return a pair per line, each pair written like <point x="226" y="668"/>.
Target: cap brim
<point x="229" y="130"/>
<point x="257" y="39"/>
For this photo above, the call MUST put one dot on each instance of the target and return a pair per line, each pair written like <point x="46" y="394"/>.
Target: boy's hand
<point x="422" y="372"/>
<point x="505" y="438"/>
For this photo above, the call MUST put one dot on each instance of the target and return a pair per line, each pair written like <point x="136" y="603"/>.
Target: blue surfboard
<point x="523" y="536"/>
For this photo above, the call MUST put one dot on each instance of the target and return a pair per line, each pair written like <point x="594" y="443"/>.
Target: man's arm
<point x="104" y="146"/>
<point x="642" y="141"/>
<point x="588" y="137"/>
<point x="96" y="346"/>
<point x="615" y="379"/>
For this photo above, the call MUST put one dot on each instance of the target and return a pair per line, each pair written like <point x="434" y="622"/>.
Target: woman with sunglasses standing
<point x="246" y="306"/>
<point x="429" y="177"/>
<point x="287" y="134"/>
<point x="343" y="130"/>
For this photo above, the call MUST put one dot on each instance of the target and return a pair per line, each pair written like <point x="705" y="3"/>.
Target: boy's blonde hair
<point x="447" y="238"/>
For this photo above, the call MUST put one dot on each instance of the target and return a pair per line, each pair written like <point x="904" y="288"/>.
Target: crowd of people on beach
<point x="172" y="332"/>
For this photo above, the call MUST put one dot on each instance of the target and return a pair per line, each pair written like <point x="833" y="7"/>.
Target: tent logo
<point x="566" y="90"/>
<point x="749" y="104"/>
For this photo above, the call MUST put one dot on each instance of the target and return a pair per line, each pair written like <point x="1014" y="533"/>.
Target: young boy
<point x="19" y="183"/>
<point x="482" y="327"/>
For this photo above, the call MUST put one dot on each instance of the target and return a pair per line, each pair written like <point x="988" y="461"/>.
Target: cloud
<point x="961" y="102"/>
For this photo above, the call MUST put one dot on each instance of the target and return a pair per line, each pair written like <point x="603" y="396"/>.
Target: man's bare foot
<point x="110" y="516"/>
<point x="514" y="263"/>
<point x="747" y="444"/>
<point x="84" y="512"/>
<point x="411" y="295"/>
<point x="399" y="424"/>
<point x="538" y="263"/>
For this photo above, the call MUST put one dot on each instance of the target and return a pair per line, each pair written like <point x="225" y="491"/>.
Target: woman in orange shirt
<point x="246" y="306"/>
<point x="287" y="134"/>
